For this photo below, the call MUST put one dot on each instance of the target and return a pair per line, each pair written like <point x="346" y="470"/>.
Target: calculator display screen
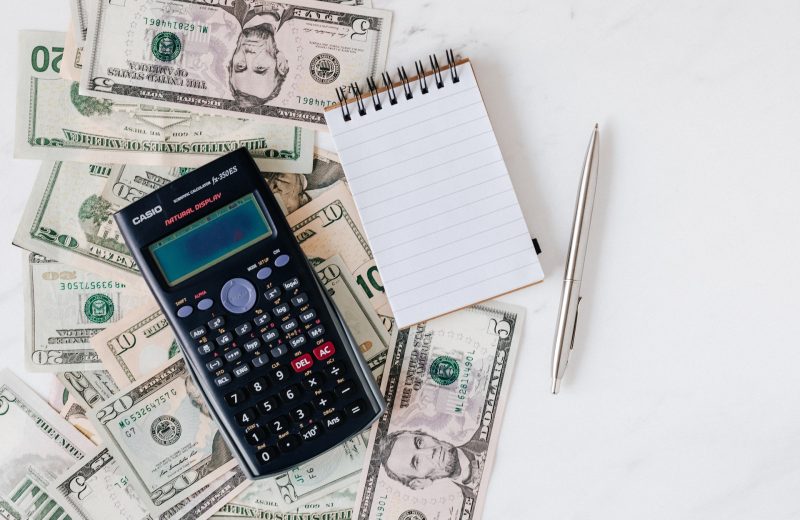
<point x="210" y="240"/>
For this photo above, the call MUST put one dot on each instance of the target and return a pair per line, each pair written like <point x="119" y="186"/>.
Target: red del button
<point x="302" y="363"/>
<point x="324" y="351"/>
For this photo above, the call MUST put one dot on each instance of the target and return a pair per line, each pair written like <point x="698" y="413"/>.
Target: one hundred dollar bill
<point x="161" y="432"/>
<point x="65" y="307"/>
<point x="257" y="503"/>
<point x="55" y="122"/>
<point x="66" y="219"/>
<point x="37" y="445"/>
<point x="89" y="388"/>
<point x="276" y="60"/>
<point x="76" y="415"/>
<point x="446" y="385"/>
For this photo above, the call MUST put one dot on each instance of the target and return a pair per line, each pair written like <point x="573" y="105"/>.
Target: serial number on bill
<point x="178" y="25"/>
<point x="314" y="101"/>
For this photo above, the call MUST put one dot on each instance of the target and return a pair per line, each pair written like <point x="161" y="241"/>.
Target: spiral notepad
<point x="433" y="191"/>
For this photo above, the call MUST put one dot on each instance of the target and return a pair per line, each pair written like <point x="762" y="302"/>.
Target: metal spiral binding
<point x="388" y="85"/>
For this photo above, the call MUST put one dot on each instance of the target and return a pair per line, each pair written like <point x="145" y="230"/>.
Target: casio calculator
<point x="269" y="351"/>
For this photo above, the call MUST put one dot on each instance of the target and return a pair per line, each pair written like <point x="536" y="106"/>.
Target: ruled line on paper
<point x="415" y="123"/>
<point x="406" y="111"/>
<point x="494" y="227"/>
<point x="405" y="224"/>
<point x="441" y="295"/>
<point x="461" y="254"/>
<point x="466" y="270"/>
<point x="394" y="147"/>
<point x="424" y="170"/>
<point x="441" y="197"/>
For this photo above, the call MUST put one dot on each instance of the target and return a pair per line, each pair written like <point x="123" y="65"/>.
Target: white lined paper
<point x="435" y="198"/>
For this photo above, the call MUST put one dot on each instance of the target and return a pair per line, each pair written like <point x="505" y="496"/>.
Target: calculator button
<point x="300" y="299"/>
<point x="241" y="370"/>
<point x="267" y="454"/>
<point x="323" y="401"/>
<point x="263" y="273"/>
<point x="271" y="335"/>
<point x="289" y="443"/>
<point x="238" y="295"/>
<point x="346" y="389"/>
<point x="301" y="413"/>
<point x="334" y="420"/>
<point x="279" y="375"/>
<point x="185" y="311"/>
<point x="280" y="310"/>
<point x="199" y="332"/>
<point x="355" y="408"/>
<point x="261" y="320"/>
<point x="297" y="341"/>
<point x="205" y="348"/>
<point x="214" y="364"/>
<point x="246" y="417"/>
<point x="324" y="351"/>
<point x="224" y="339"/>
<point x="313" y="382"/>
<point x="216" y="323"/>
<point x="260" y="361"/>
<point x="272" y="294"/>
<point x="302" y="363"/>
<point x="257" y="386"/>
<point x="205" y="304"/>
<point x="308" y="315"/>
<point x="290" y="325"/>
<point x="255" y="436"/>
<point x="278" y="424"/>
<point x="335" y="370"/>
<point x="282" y="260"/>
<point x="233" y="355"/>
<point x="279" y="351"/>
<point x="291" y="284"/>
<point x="268" y="406"/>
<point x="316" y="332"/>
<point x="310" y="432"/>
<point x="223" y="380"/>
<point x="290" y="393"/>
<point x="251" y="345"/>
<point x="236" y="398"/>
<point x="243" y="329"/>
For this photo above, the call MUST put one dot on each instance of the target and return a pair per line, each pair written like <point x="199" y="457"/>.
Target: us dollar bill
<point x="275" y="60"/>
<point x="71" y="62"/>
<point x="358" y="314"/>
<point x="161" y="432"/>
<point x="65" y="307"/>
<point x="257" y="503"/>
<point x="136" y="346"/>
<point x="37" y="446"/>
<point x="329" y="225"/>
<point x="89" y="388"/>
<point x="66" y="219"/>
<point x="76" y="415"/>
<point x="445" y="385"/>
<point x="55" y="122"/>
<point x="130" y="182"/>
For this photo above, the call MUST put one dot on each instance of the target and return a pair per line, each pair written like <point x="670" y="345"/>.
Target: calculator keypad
<point x="284" y="385"/>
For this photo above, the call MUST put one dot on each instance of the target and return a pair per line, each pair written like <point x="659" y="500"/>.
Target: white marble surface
<point x="681" y="401"/>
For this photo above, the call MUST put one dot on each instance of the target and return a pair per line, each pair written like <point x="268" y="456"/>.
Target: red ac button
<point x="302" y="363"/>
<point x="324" y="351"/>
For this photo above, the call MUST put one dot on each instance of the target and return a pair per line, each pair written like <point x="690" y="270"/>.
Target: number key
<point x="279" y="424"/>
<point x="267" y="406"/>
<point x="235" y="398"/>
<point x="255" y="436"/>
<point x="279" y="375"/>
<point x="300" y="413"/>
<point x="246" y="417"/>
<point x="267" y="454"/>
<point x="290" y="394"/>
<point x="257" y="386"/>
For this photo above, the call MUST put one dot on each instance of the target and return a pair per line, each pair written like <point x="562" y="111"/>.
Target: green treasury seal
<point x="444" y="370"/>
<point x="98" y="308"/>
<point x="166" y="46"/>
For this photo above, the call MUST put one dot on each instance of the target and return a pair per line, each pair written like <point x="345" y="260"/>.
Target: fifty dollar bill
<point x="279" y="60"/>
<point x="55" y="122"/>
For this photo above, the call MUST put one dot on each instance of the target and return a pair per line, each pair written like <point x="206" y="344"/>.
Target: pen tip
<point x="596" y="126"/>
<point x="556" y="386"/>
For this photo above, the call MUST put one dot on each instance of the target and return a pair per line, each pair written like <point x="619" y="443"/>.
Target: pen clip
<point x="575" y="323"/>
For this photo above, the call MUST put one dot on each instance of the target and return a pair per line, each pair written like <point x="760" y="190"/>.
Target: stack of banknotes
<point x="135" y="94"/>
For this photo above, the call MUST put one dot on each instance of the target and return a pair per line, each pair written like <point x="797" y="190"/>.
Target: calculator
<point x="282" y="375"/>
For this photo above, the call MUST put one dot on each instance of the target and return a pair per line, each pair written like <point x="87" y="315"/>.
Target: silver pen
<point x="570" y="292"/>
